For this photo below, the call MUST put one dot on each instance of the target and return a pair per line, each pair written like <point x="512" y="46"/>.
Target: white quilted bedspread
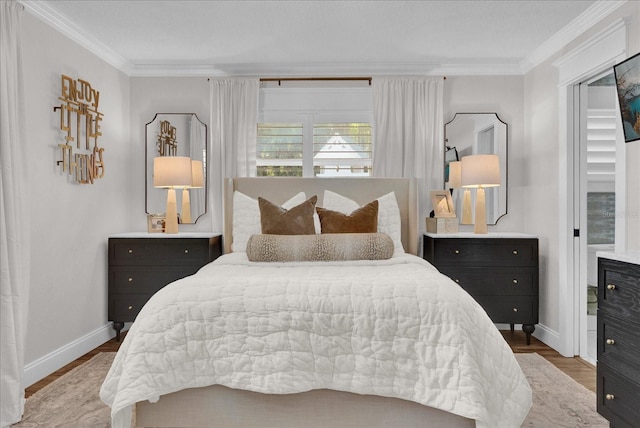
<point x="395" y="328"/>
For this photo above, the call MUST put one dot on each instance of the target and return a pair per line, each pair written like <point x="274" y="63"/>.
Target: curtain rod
<point x="284" y="79"/>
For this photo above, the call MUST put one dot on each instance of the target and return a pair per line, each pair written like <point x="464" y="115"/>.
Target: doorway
<point x="595" y="197"/>
<point x="593" y="57"/>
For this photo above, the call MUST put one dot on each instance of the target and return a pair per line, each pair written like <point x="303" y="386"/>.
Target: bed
<point x="355" y="343"/>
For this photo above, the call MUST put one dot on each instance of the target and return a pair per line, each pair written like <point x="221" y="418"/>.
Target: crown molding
<point x="173" y="70"/>
<point x="51" y="17"/>
<point x="587" y="19"/>
<point x="324" y="69"/>
<point x="281" y="70"/>
<point x="478" y="69"/>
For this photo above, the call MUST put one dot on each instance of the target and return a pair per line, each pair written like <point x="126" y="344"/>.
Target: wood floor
<point x="580" y="370"/>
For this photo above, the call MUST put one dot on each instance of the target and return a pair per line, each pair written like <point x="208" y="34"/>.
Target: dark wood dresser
<point x="618" y="392"/>
<point x="500" y="271"/>
<point x="141" y="264"/>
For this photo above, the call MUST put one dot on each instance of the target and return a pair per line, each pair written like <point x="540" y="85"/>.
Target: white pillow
<point x="388" y="214"/>
<point x="246" y="218"/>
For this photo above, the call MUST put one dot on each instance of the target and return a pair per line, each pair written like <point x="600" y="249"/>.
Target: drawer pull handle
<point x="515" y="281"/>
<point x="609" y="397"/>
<point x="130" y="251"/>
<point x="130" y="279"/>
<point x="130" y="307"/>
<point x="611" y="286"/>
<point x="515" y="252"/>
<point x="457" y="251"/>
<point x="515" y="309"/>
<point x="186" y="251"/>
<point x="611" y="342"/>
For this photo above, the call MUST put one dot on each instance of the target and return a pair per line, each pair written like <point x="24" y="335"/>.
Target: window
<point x="315" y="132"/>
<point x="339" y="149"/>
<point x="342" y="149"/>
<point x="279" y="150"/>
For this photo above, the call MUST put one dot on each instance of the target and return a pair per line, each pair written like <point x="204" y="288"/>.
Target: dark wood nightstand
<point x="141" y="264"/>
<point x="618" y="385"/>
<point x="500" y="271"/>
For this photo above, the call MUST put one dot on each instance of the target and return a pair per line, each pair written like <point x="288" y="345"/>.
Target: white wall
<point x="541" y="172"/>
<point x="70" y="222"/>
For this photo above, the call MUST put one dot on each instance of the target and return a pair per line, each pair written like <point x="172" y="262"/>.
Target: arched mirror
<point x="177" y="134"/>
<point x="474" y="134"/>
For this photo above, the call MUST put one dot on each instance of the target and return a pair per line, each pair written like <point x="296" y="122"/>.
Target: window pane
<point x="342" y="149"/>
<point x="279" y="149"/>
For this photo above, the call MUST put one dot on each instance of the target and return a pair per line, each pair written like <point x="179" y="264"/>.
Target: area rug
<point x="558" y="400"/>
<point x="72" y="401"/>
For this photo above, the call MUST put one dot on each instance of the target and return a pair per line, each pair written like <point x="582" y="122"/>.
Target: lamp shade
<point x="172" y="171"/>
<point x="480" y="171"/>
<point x="197" y="174"/>
<point x="455" y="170"/>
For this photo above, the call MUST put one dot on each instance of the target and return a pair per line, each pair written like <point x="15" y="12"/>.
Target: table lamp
<point x="197" y="182"/>
<point x="171" y="172"/>
<point x="480" y="171"/>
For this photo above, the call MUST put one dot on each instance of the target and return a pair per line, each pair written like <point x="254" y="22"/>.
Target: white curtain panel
<point x="196" y="134"/>
<point x="408" y="133"/>
<point x="14" y="218"/>
<point x="234" y="135"/>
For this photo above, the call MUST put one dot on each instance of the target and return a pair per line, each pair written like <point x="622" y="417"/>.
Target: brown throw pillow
<point x="362" y="220"/>
<point x="298" y="220"/>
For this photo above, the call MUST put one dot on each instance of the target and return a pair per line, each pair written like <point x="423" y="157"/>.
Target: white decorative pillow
<point x="388" y="214"/>
<point x="246" y="218"/>
<point x="319" y="247"/>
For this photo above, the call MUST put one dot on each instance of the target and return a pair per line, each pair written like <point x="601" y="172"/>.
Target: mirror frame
<point x="148" y="164"/>
<point x="506" y="158"/>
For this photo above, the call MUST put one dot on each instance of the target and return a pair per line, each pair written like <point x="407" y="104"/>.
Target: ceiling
<point x="281" y="38"/>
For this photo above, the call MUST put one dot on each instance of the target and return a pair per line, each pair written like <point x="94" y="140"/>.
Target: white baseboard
<point x="44" y="366"/>
<point x="543" y="333"/>
<point x="549" y="337"/>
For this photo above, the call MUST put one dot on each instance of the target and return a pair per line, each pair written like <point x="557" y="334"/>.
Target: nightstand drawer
<point x="485" y="252"/>
<point x="147" y="279"/>
<point x="156" y="251"/>
<point x="619" y="292"/>
<point x="618" y="342"/>
<point x="510" y="309"/>
<point x="497" y="280"/>
<point x="125" y="307"/>
<point x="617" y="398"/>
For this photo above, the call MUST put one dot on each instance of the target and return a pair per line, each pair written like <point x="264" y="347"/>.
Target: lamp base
<point x="171" y="221"/>
<point x="186" y="206"/>
<point x="466" y="207"/>
<point x="480" y="225"/>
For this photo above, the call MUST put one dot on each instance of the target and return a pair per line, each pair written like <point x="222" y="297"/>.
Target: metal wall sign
<point x="167" y="143"/>
<point x="80" y="121"/>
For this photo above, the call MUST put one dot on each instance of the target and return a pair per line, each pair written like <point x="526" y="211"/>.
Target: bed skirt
<point x="219" y="406"/>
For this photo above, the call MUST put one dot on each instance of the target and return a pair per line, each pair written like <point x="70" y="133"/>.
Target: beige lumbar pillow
<point x="298" y="220"/>
<point x="320" y="247"/>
